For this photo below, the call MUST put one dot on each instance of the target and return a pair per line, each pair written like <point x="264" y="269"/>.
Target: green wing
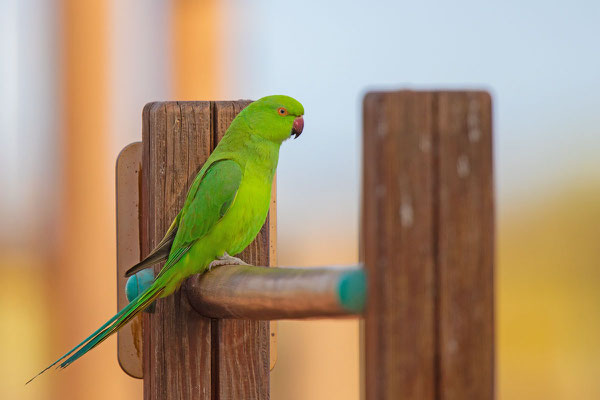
<point x="210" y="196"/>
<point x="160" y="252"/>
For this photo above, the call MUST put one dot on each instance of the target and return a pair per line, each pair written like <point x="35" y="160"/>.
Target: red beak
<point x="298" y="126"/>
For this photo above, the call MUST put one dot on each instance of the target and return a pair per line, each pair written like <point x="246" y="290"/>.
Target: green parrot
<point x="225" y="208"/>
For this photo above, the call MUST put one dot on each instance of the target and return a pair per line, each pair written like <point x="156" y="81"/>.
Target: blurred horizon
<point x="75" y="76"/>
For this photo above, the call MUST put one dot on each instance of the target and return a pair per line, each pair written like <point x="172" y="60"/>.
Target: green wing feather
<point x="224" y="176"/>
<point x="111" y="326"/>
<point x="217" y="188"/>
<point x="160" y="252"/>
<point x="209" y="199"/>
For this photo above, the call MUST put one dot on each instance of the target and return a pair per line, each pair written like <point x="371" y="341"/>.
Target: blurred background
<point x="74" y="76"/>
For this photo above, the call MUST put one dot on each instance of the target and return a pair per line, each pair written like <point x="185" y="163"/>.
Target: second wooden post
<point x="428" y="234"/>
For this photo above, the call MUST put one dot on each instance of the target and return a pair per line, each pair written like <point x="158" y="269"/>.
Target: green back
<point x="209" y="198"/>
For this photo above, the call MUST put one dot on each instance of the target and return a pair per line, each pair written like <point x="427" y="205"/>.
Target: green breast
<point x="250" y="208"/>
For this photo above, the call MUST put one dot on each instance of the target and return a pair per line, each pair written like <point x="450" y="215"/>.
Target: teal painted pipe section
<point x="139" y="282"/>
<point x="352" y="290"/>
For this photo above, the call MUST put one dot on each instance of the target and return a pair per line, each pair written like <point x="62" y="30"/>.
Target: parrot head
<point x="275" y="118"/>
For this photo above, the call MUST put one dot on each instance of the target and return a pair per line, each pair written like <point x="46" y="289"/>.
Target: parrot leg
<point x="226" y="259"/>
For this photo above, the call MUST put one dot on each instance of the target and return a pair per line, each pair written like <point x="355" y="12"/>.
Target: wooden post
<point x="187" y="356"/>
<point x="128" y="174"/>
<point x="465" y="254"/>
<point x="398" y="246"/>
<point x="242" y="357"/>
<point x="428" y="245"/>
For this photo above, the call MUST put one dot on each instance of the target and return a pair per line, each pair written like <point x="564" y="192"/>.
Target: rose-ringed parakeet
<point x="225" y="208"/>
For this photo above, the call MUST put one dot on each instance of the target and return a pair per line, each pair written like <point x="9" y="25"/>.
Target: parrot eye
<point x="282" y="111"/>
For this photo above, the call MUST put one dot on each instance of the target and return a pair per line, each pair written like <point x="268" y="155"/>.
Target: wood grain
<point x="187" y="356"/>
<point x="177" y="139"/>
<point x="243" y="355"/>
<point x="428" y="245"/>
<point x="466" y="236"/>
<point x="397" y="239"/>
<point x="128" y="177"/>
<point x="259" y="293"/>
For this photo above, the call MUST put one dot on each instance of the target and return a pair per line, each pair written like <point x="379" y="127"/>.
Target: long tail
<point x="112" y="325"/>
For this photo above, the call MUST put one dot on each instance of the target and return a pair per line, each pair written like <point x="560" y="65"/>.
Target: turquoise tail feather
<point x="111" y="326"/>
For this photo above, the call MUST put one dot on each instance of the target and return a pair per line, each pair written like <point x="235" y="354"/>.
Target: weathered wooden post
<point x="428" y="245"/>
<point x="188" y="356"/>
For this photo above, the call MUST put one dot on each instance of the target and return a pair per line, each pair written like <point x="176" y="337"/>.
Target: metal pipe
<point x="249" y="292"/>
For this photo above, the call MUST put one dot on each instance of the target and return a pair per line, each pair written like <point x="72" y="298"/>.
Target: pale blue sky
<point x="540" y="60"/>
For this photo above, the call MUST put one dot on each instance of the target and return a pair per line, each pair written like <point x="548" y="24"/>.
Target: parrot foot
<point x="226" y="259"/>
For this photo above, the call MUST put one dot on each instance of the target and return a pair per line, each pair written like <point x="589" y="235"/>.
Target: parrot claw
<point x="226" y="259"/>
